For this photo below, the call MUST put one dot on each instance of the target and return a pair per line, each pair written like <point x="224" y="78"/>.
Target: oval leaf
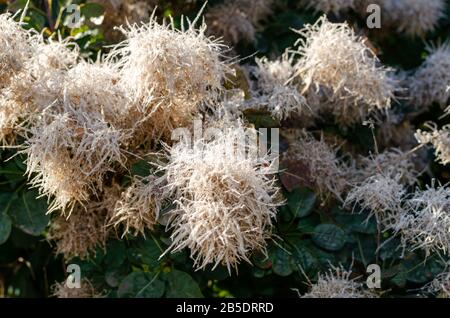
<point x="301" y="202"/>
<point x="329" y="237"/>
<point x="29" y="213"/>
<point x="141" y="285"/>
<point x="181" y="285"/>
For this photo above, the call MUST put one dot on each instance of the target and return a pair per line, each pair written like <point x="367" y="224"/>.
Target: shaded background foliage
<point x="311" y="235"/>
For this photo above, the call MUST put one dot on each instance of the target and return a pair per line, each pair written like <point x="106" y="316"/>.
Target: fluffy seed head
<point x="392" y="163"/>
<point x="413" y="17"/>
<point x="427" y="226"/>
<point x="440" y="139"/>
<point x="327" y="170"/>
<point x="429" y="84"/>
<point x="14" y="48"/>
<point x="86" y="290"/>
<point x="169" y="73"/>
<point x="225" y="200"/>
<point x="238" y="20"/>
<point x="275" y="90"/>
<point x="80" y="234"/>
<point x="381" y="195"/>
<point x="139" y="206"/>
<point x="337" y="284"/>
<point x="327" y="6"/>
<point x="336" y="63"/>
<point x="37" y="85"/>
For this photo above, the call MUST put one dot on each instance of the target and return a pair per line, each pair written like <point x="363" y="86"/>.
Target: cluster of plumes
<point x="326" y="169"/>
<point x="226" y="198"/>
<point x="238" y="20"/>
<point x="82" y="232"/>
<point x="341" y="74"/>
<point x="31" y="72"/>
<point x="439" y="138"/>
<point x="86" y="290"/>
<point x="426" y="223"/>
<point x="429" y="83"/>
<point x="277" y="90"/>
<point x="413" y="17"/>
<point x="337" y="283"/>
<point x="79" y="134"/>
<point x="330" y="6"/>
<point x="169" y="74"/>
<point x="138" y="208"/>
<point x="77" y="139"/>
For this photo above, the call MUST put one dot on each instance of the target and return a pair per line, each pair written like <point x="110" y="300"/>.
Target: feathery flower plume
<point x="427" y="226"/>
<point x="275" y="90"/>
<point x="381" y="195"/>
<point x="226" y="201"/>
<point x="329" y="6"/>
<point x="328" y="171"/>
<point x="337" y="64"/>
<point x="413" y="17"/>
<point x="392" y="163"/>
<point x="14" y="48"/>
<point x="429" y="83"/>
<point x="440" y="139"/>
<point x="37" y="85"/>
<point x="238" y="20"/>
<point x="139" y="206"/>
<point x="169" y="73"/>
<point x="76" y="142"/>
<point x="336" y="283"/>
<point x="86" y="290"/>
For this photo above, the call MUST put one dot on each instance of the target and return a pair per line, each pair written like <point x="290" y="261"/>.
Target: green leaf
<point x="145" y="251"/>
<point x="141" y="285"/>
<point x="91" y="10"/>
<point x="29" y="213"/>
<point x="181" y="285"/>
<point x="302" y="257"/>
<point x="301" y="201"/>
<point x="115" y="254"/>
<point x="329" y="237"/>
<point x="141" y="168"/>
<point x="5" y="227"/>
<point x="281" y="261"/>
<point x="5" y="221"/>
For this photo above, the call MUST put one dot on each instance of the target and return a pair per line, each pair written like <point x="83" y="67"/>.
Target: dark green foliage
<point x="309" y="236"/>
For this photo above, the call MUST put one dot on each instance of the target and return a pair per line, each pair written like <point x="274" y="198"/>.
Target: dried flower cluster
<point x="427" y="225"/>
<point x="330" y="6"/>
<point x="337" y="284"/>
<point x="413" y="17"/>
<point x="276" y="90"/>
<point x="139" y="206"/>
<point x="429" y="83"/>
<point x="238" y="20"/>
<point x="381" y="195"/>
<point x="440" y="139"/>
<point x="226" y="200"/>
<point x="169" y="73"/>
<point x="86" y="290"/>
<point x="327" y="170"/>
<point x="337" y="64"/>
